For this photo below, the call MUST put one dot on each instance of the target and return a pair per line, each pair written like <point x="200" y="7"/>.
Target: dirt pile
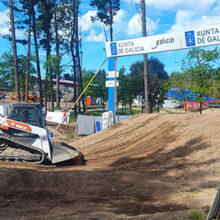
<point x="160" y="136"/>
<point x="159" y="166"/>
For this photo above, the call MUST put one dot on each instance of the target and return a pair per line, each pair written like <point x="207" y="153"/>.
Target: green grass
<point x="127" y="112"/>
<point x="195" y="215"/>
<point x="70" y="135"/>
<point x="94" y="106"/>
<point x="207" y="209"/>
<point x="72" y="118"/>
<point x="57" y="108"/>
<point x="192" y="194"/>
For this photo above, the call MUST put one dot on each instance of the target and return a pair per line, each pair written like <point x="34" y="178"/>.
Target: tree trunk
<point x="58" y="57"/>
<point x="72" y="49"/>
<point x="201" y="102"/>
<point x="144" y="32"/>
<point x="28" y="59"/>
<point x="37" y="56"/>
<point x="111" y="20"/>
<point x="17" y="88"/>
<point x="78" y="57"/>
<point x="130" y="109"/>
<point x="74" y="74"/>
<point x="48" y="51"/>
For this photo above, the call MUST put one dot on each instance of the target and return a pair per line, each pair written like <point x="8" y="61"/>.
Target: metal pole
<point x="115" y="90"/>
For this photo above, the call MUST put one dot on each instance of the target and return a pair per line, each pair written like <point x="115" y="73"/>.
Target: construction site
<point x="109" y="110"/>
<point x="150" y="166"/>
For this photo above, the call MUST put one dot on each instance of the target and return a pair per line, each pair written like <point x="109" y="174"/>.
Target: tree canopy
<point x="200" y="74"/>
<point x="157" y="76"/>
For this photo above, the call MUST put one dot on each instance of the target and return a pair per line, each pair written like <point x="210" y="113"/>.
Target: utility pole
<point x="144" y="33"/>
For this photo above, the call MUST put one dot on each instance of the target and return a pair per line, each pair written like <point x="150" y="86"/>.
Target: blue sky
<point x="162" y="17"/>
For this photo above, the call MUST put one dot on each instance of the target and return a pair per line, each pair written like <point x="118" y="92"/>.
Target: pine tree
<point x="37" y="52"/>
<point x="107" y="9"/>
<point x="17" y="88"/>
<point x="144" y="32"/>
<point x="45" y="8"/>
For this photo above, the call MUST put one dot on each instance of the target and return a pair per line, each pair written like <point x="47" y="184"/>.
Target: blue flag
<point x="190" y="38"/>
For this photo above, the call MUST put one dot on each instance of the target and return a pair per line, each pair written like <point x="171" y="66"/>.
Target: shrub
<point x="195" y="215"/>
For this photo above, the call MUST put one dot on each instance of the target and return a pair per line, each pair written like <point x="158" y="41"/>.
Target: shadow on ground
<point x="131" y="186"/>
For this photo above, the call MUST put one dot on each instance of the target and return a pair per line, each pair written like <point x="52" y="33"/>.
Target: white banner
<point x="111" y="74"/>
<point x="205" y="36"/>
<point x="111" y="83"/>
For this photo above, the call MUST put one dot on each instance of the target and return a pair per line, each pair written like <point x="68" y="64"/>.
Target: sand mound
<point x="189" y="136"/>
<point x="159" y="166"/>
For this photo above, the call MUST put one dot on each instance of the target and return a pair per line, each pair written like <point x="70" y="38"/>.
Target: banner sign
<point x="111" y="83"/>
<point x="195" y="105"/>
<point x="111" y="74"/>
<point x="205" y="36"/>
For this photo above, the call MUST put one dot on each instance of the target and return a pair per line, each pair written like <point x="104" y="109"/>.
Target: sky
<point x="163" y="16"/>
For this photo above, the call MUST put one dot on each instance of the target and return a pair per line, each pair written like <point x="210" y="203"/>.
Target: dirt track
<point x="148" y="167"/>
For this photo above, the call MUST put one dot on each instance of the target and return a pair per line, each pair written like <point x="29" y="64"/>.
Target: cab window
<point x="25" y="115"/>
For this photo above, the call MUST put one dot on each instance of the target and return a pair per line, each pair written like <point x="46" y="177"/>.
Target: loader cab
<point x="27" y="113"/>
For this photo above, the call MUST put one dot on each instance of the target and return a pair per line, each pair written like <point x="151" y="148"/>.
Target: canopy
<point x="186" y="95"/>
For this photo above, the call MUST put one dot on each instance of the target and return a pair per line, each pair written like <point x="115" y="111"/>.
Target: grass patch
<point x="57" y="108"/>
<point x="195" y="215"/>
<point x="70" y="135"/>
<point x="72" y="117"/>
<point x="188" y="194"/>
<point x="207" y="209"/>
<point x="192" y="194"/>
<point x="127" y="112"/>
<point x="94" y="106"/>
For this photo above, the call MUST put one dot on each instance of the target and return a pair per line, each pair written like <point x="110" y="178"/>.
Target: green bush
<point x="195" y="215"/>
<point x="57" y="108"/>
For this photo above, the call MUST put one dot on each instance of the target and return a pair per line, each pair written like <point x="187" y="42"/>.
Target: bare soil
<point x="159" y="166"/>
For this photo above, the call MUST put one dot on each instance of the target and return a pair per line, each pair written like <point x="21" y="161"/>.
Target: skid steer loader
<point x="24" y="138"/>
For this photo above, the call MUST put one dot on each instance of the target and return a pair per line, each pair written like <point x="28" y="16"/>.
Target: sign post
<point x="112" y="84"/>
<point x="111" y="97"/>
<point x="204" y="36"/>
<point x="115" y="91"/>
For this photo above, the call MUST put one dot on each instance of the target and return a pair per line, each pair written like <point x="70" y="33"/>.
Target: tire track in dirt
<point x="149" y="169"/>
<point x="123" y="131"/>
<point x="131" y="141"/>
<point x="146" y="144"/>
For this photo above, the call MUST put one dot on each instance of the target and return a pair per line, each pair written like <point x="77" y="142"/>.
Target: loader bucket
<point x="63" y="152"/>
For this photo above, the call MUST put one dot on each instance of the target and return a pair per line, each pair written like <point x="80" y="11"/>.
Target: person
<point x="65" y="117"/>
<point x="44" y="111"/>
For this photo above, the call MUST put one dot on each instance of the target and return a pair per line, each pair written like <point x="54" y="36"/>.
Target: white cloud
<point x="95" y="31"/>
<point x="4" y="31"/>
<point x="87" y="26"/>
<point x="197" y="5"/>
<point x="94" y="36"/>
<point x="119" y="22"/>
<point x="186" y="20"/>
<point x="85" y="21"/>
<point x="134" y="25"/>
<point x="4" y="22"/>
<point x="119" y="18"/>
<point x="5" y="25"/>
